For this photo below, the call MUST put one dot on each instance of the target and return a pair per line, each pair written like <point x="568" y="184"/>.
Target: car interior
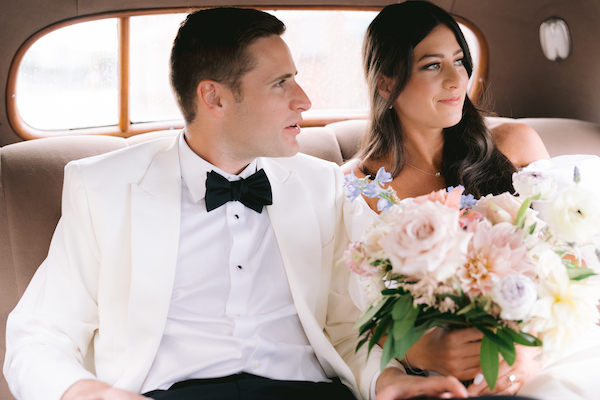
<point x="536" y="65"/>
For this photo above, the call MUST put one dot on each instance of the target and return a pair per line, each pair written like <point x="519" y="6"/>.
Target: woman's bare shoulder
<point x="519" y="142"/>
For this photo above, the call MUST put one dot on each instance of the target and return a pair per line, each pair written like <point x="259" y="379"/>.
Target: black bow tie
<point x="254" y="192"/>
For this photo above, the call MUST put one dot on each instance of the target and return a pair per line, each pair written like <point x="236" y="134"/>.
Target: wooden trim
<point x="480" y="77"/>
<point x="124" y="74"/>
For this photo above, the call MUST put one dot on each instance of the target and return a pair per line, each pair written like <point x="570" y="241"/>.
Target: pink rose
<point x="426" y="240"/>
<point x="504" y="208"/>
<point x="451" y="199"/>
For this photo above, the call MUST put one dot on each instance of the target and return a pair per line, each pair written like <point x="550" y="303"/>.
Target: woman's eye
<point x="432" y="66"/>
<point x="460" y="61"/>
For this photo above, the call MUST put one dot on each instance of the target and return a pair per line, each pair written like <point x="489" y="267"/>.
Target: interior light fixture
<point x="555" y="39"/>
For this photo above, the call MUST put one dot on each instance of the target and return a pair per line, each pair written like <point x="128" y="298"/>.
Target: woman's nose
<point x="453" y="78"/>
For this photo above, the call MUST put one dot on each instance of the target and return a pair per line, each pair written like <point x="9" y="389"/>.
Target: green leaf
<point x="577" y="274"/>
<point x="426" y="325"/>
<point x="369" y="314"/>
<point x="520" y="220"/>
<point x="466" y="309"/>
<point x="360" y="344"/>
<point x="532" y="229"/>
<point x="458" y="287"/>
<point x="404" y="324"/>
<point x="379" y="331"/>
<point x="388" y="351"/>
<point x="497" y="340"/>
<point x="524" y="338"/>
<point x="402" y="345"/>
<point x="402" y="307"/>
<point x="488" y="357"/>
<point x="509" y="355"/>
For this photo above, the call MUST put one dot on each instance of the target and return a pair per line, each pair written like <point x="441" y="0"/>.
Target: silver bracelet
<point x="414" y="371"/>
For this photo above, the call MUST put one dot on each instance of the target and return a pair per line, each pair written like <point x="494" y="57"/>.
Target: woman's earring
<point x="392" y="106"/>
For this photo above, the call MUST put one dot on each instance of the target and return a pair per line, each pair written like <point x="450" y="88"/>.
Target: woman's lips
<point x="451" y="101"/>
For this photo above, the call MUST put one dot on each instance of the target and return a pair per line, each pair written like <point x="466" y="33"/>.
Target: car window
<point x="111" y="75"/>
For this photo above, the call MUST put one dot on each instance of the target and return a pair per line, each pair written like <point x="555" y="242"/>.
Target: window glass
<point x="326" y="46"/>
<point x="150" y="93"/>
<point x="68" y="78"/>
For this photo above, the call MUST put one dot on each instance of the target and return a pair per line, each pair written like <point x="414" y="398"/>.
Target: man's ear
<point x="209" y="96"/>
<point x="385" y="86"/>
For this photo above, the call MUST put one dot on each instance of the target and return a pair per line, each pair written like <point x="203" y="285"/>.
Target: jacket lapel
<point x="155" y="217"/>
<point x="296" y="229"/>
<point x="298" y="235"/>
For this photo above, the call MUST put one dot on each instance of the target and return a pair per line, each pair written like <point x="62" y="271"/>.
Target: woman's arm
<point x="519" y="142"/>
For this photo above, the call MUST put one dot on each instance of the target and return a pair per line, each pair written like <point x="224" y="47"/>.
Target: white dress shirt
<point x="231" y="307"/>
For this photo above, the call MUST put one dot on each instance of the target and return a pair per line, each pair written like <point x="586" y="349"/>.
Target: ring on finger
<point x="511" y="378"/>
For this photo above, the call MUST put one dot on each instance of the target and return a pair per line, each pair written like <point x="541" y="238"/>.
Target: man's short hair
<point x="212" y="44"/>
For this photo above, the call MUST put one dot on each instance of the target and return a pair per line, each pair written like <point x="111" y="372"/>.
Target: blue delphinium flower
<point x="371" y="188"/>
<point x="383" y="204"/>
<point x="383" y="177"/>
<point x="466" y="200"/>
<point x="576" y="175"/>
<point x="351" y="182"/>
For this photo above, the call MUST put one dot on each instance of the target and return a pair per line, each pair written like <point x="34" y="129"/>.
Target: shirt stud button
<point x="236" y="216"/>
<point x="239" y="267"/>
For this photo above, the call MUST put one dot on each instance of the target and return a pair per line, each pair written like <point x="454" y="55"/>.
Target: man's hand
<point x="96" y="390"/>
<point x="394" y="384"/>
<point x="527" y="363"/>
<point x="448" y="352"/>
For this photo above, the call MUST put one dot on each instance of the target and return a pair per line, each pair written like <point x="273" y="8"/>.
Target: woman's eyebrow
<point x="439" y="55"/>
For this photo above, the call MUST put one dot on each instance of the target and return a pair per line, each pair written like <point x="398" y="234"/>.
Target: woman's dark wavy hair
<point x="470" y="157"/>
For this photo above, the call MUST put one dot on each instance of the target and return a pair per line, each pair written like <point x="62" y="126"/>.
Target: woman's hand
<point x="527" y="363"/>
<point x="448" y="352"/>
<point x="394" y="384"/>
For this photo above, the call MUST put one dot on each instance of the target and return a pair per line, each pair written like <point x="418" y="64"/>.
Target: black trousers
<point x="251" y="387"/>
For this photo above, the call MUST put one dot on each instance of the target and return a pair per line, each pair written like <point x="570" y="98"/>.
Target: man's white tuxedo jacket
<point x="97" y="306"/>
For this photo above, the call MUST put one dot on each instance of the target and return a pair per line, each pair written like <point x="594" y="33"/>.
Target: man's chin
<point x="287" y="151"/>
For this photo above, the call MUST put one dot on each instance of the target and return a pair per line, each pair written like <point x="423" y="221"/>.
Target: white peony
<point x="426" y="240"/>
<point x="533" y="184"/>
<point x="574" y="215"/>
<point x="565" y="309"/>
<point x="516" y="295"/>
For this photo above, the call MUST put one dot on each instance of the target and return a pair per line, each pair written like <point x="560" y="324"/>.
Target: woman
<point x="428" y="134"/>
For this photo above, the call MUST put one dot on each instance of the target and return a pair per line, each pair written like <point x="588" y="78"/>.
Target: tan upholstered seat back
<point x="31" y="176"/>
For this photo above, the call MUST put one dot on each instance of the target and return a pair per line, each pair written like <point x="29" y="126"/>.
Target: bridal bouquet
<point x="450" y="260"/>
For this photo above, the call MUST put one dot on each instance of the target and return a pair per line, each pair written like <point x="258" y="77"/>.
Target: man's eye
<point x="280" y="83"/>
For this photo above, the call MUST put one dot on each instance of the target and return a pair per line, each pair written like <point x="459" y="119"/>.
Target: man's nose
<point x="300" y="101"/>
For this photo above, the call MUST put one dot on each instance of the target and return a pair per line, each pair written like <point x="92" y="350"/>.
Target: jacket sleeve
<point x="49" y="333"/>
<point x="342" y="313"/>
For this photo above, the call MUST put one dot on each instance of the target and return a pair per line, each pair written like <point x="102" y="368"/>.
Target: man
<point x="166" y="276"/>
